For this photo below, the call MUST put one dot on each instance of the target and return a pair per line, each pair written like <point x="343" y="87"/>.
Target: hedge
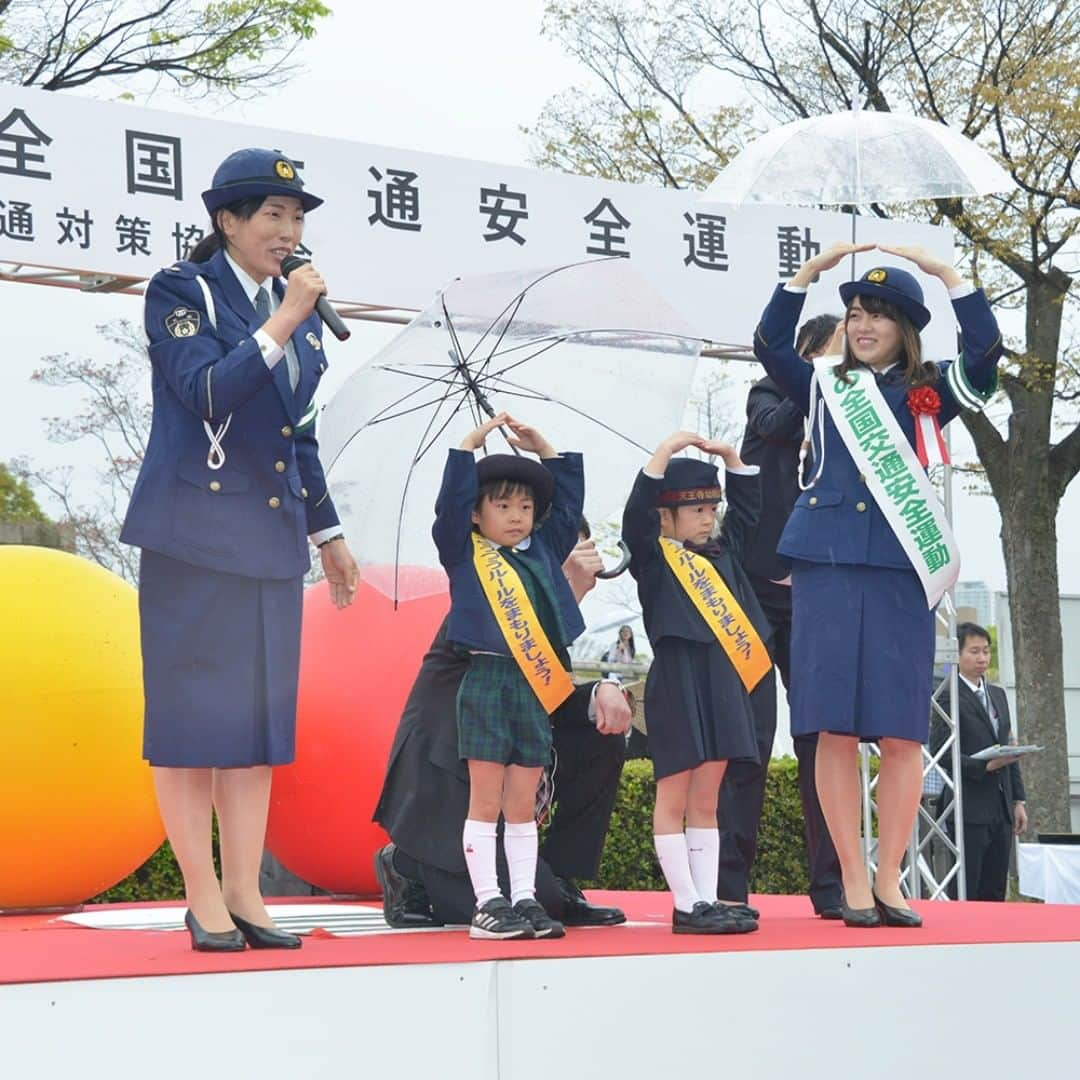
<point x="629" y="860"/>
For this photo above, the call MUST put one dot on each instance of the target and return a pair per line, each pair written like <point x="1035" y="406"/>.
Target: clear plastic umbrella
<point x="589" y="353"/>
<point x="858" y="157"/>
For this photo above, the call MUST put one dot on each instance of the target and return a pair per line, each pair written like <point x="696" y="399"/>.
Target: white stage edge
<point x="991" y="1012"/>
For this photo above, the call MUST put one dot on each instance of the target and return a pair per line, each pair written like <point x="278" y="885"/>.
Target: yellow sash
<point x="721" y="611"/>
<point x="520" y="626"/>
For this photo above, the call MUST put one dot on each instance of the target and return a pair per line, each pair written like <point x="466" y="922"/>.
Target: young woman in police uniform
<point x="862" y="623"/>
<point x="228" y="496"/>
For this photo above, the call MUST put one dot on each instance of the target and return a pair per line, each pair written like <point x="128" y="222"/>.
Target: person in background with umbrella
<point x="774" y="433"/>
<point x="503" y="527"/>
<point x="870" y="548"/>
<point x="711" y="664"/>
<point x="229" y="494"/>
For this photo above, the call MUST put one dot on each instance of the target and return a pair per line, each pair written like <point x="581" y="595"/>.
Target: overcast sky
<point x="455" y="79"/>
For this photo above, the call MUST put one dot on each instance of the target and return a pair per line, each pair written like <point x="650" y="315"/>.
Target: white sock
<point x="521" y="844"/>
<point x="703" y="848"/>
<point x="478" y="842"/>
<point x="675" y="863"/>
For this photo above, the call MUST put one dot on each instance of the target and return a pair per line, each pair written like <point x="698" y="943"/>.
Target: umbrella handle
<point x="607" y="575"/>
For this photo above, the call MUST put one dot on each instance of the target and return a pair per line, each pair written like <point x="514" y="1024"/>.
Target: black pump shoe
<point x="205" y="941"/>
<point x="896" y="916"/>
<point x="265" y="937"/>
<point x="862" y="918"/>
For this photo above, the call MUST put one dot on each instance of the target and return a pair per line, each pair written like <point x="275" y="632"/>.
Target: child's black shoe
<point x="708" y="918"/>
<point x="543" y="925"/>
<point x="496" y="920"/>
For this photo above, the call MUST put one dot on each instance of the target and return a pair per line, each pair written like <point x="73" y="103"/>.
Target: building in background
<point x="977" y="595"/>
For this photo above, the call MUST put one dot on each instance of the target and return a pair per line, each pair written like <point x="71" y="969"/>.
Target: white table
<point x="1050" y="872"/>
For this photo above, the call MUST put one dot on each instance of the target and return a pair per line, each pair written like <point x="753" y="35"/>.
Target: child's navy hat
<point x="256" y="172"/>
<point x="519" y="470"/>
<point x="688" y="481"/>
<point x="892" y="284"/>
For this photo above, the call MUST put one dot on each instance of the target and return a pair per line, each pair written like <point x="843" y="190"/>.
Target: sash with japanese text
<point x="894" y="477"/>
<point x="520" y="626"/>
<point x="721" y="611"/>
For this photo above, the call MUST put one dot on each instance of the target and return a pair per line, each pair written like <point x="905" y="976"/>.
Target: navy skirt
<point x="862" y="652"/>
<point x="697" y="709"/>
<point x="221" y="661"/>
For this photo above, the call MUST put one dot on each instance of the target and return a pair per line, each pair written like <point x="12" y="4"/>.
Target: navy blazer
<point x="254" y="514"/>
<point x="666" y="609"/>
<point x="471" y="622"/>
<point x="988" y="796"/>
<point x="838" y="521"/>
<point x="774" y="433"/>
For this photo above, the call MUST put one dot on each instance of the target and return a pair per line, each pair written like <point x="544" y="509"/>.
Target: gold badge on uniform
<point x="876" y="276"/>
<point x="182" y="322"/>
<point x="284" y="169"/>
<point x="313" y="340"/>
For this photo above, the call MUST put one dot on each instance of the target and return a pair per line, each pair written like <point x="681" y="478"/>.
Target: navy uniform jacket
<point x="471" y="622"/>
<point x="988" y="796"/>
<point x="838" y="521"/>
<point x="666" y="609"/>
<point x="774" y="433"/>
<point x="254" y="514"/>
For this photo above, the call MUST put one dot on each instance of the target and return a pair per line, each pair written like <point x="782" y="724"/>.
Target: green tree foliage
<point x="227" y="45"/>
<point x="17" y="502"/>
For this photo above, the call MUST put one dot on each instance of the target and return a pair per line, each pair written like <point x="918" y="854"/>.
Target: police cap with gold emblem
<point x="245" y="173"/>
<point x="892" y="284"/>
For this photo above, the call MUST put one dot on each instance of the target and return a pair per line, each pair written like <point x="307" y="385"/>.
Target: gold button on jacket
<point x="215" y="485"/>
<point x="860" y="506"/>
<point x="286" y="431"/>
<point x="813" y="500"/>
<point x="273" y="502"/>
<point x="279" y="466"/>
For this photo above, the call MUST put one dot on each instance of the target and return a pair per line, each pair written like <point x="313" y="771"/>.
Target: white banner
<point x="109" y="188"/>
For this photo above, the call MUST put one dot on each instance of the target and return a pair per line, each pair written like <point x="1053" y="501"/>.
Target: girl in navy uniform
<point x="512" y="608"/>
<point x="228" y="495"/>
<point x="711" y="664"/>
<point x="870" y="554"/>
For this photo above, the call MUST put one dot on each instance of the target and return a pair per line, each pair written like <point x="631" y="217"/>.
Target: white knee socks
<point x="703" y="848"/>
<point x="671" y="850"/>
<point x="478" y="842"/>
<point x="521" y="844"/>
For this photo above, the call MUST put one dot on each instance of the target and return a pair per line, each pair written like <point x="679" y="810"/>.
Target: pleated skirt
<point x="862" y="652"/>
<point x="221" y="662"/>
<point x="696" y="707"/>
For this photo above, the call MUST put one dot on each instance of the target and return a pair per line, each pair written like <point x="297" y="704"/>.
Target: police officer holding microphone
<point x="229" y="496"/>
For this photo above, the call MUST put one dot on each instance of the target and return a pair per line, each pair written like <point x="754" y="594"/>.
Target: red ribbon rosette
<point x="925" y="404"/>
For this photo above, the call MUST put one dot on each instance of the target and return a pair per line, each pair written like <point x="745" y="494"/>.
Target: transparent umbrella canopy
<point x="857" y="157"/>
<point x="589" y="353"/>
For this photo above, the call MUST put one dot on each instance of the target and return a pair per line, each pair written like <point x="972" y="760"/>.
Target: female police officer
<point x="228" y="494"/>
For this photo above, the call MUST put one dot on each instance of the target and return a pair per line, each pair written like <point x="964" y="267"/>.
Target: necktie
<point x="262" y="309"/>
<point x="981" y="695"/>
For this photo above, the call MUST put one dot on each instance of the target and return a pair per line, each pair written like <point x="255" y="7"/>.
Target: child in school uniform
<point x="710" y="643"/>
<point x="503" y="527"/>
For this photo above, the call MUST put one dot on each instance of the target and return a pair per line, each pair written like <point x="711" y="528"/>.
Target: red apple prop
<point x="356" y="669"/>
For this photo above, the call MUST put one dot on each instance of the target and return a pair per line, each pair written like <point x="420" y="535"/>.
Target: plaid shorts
<point x="500" y="719"/>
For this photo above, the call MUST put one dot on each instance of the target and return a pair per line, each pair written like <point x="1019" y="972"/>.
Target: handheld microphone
<point x="331" y="319"/>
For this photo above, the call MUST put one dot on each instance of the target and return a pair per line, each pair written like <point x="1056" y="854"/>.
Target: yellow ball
<point x="77" y="808"/>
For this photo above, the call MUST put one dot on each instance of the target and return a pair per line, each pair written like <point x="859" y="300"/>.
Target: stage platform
<point x="982" y="990"/>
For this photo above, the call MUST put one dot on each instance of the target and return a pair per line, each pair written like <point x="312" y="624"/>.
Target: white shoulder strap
<point x="216" y="457"/>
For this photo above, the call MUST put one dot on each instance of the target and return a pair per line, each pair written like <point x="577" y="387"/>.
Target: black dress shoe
<point x="265" y="937"/>
<point x="859" y="917"/>
<point x="405" y="903"/>
<point x="897" y="916"/>
<point x="740" y="908"/>
<point x="577" y="911"/>
<point x="217" y="941"/>
<point x="832" y="912"/>
<point x="706" y="918"/>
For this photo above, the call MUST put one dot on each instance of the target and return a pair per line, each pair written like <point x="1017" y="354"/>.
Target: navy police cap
<point x="892" y="284"/>
<point x="519" y="470"/>
<point x="245" y="173"/>
<point x="688" y="481"/>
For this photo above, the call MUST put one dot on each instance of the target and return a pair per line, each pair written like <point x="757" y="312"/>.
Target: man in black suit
<point x="774" y="434"/>
<point x="425" y="793"/>
<point x="993" y="791"/>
